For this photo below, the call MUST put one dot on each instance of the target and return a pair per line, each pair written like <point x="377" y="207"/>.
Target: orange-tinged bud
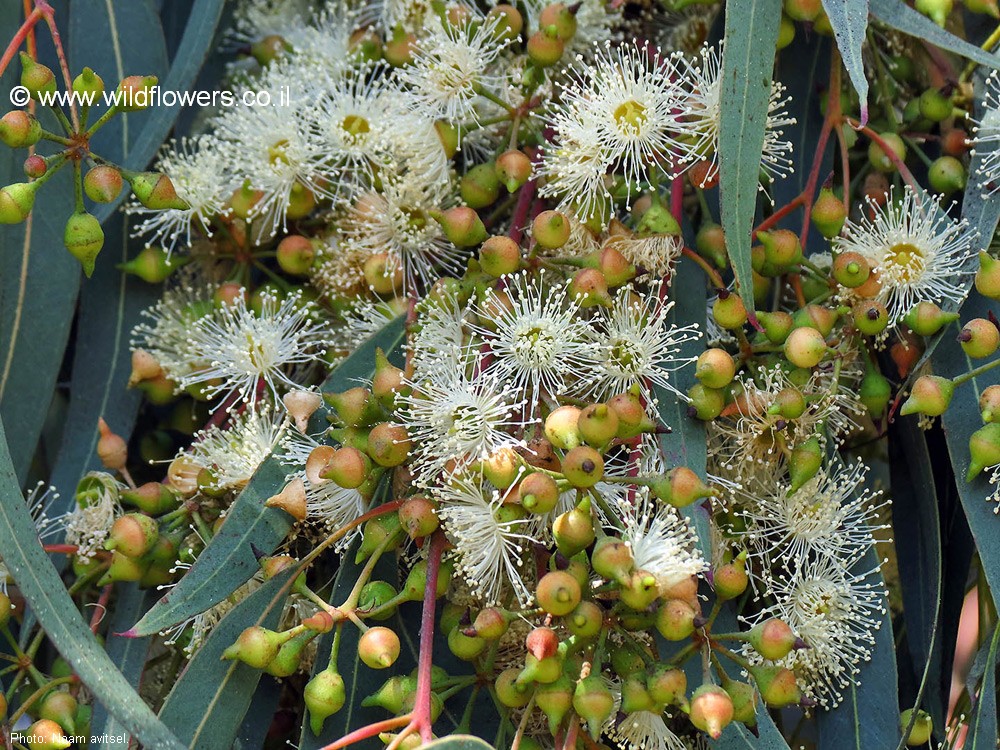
<point x="930" y="396"/>
<point x="84" y="239"/>
<point x="773" y="639"/>
<point x="558" y="593"/>
<point x="805" y="347"/>
<point x="132" y="534"/>
<point x="711" y="710"/>
<point x="562" y="427"/>
<point x="675" y="620"/>
<point x="777" y="685"/>
<point x="984" y="449"/>
<point x="379" y="647"/>
<point x="979" y="338"/>
<point x="462" y="226"/>
<point x="583" y="466"/>
<point x="111" y="448"/>
<point x="538" y="493"/>
<point x="46" y="734"/>
<point x="324" y="695"/>
<point x="291" y="499"/>
<point x="388" y="444"/>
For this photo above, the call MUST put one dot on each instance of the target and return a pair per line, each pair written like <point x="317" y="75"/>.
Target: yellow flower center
<point x="630" y="115"/>
<point x="355" y="125"/>
<point x="904" y="262"/>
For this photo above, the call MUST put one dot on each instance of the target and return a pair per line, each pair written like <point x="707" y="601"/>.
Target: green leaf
<point x="900" y="16"/>
<point x="458" y="742"/>
<point x="915" y="517"/>
<point x="206" y="706"/>
<point x="228" y="560"/>
<point x="868" y="717"/>
<point x="253" y="732"/>
<point x="849" y="19"/>
<point x="983" y="722"/>
<point x="685" y="444"/>
<point x="737" y="737"/>
<point x="128" y="654"/>
<point x="46" y="595"/>
<point x="747" y="67"/>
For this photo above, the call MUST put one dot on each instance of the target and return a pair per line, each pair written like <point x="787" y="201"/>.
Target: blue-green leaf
<point x="738" y="737"/>
<point x="47" y="596"/>
<point x="747" y="68"/>
<point x="228" y="560"/>
<point x="902" y="17"/>
<point x="849" y="19"/>
<point x="206" y="706"/>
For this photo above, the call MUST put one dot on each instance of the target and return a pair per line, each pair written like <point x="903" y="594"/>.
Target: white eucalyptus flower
<point x="234" y="452"/>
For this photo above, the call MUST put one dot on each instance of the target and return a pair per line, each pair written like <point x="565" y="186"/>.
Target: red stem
<point x="422" y="701"/>
<point x="22" y="33"/>
<point x="101" y="608"/>
<point x="61" y="549"/>
<point x="50" y="19"/>
<point x="32" y="47"/>
<point x="521" y="210"/>
<point x="904" y="171"/>
<point x="777" y="216"/>
<point x="369" y="731"/>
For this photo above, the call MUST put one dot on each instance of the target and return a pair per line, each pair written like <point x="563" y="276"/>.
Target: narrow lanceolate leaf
<point x="915" y="517"/>
<point x="983" y="721"/>
<point x="45" y="593"/>
<point x="228" y="560"/>
<point x="849" y="19"/>
<point x="868" y="717"/>
<point x="738" y="737"/>
<point x="747" y="68"/>
<point x="684" y="445"/>
<point x="206" y="706"/>
<point x="902" y="17"/>
<point x="960" y="421"/>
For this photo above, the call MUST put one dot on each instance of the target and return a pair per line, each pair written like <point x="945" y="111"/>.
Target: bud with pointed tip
<point x="989" y="404"/>
<point x="545" y="48"/>
<point x="777" y="325"/>
<point x="558" y="593"/>
<point x="511" y="692"/>
<point x="612" y="559"/>
<point x="551" y="229"/>
<point x="499" y="256"/>
<point x="355" y="406"/>
<point x="491" y="623"/>
<point x="930" y="396"/>
<point x="585" y="621"/>
<point x="828" y="214"/>
<point x="135" y="94"/>
<point x="680" y="487"/>
<point x="744" y="699"/>
<point x="295" y="255"/>
<point x="715" y="368"/>
<point x="111" y="448"/>
<point x="289" y="657"/>
<point x="513" y="169"/>
<point x="153" y="498"/>
<point x="389" y="444"/>
<point x="538" y="493"/>
<point x="348" y="467"/>
<point x="562" y="427"/>
<point x="84" y="239"/>
<point x="589" y="287"/>
<point x="666" y="685"/>
<point x="324" y="695"/>
<point x="773" y="639"/>
<point x="419" y="518"/>
<point x="593" y="701"/>
<point x="711" y="710"/>
<point x="805" y="462"/>
<point x="291" y="499"/>
<point x="805" y="347"/>
<point x="132" y="534"/>
<point x="710" y="242"/>
<point x="730" y="580"/>
<point x="379" y="647"/>
<point x="16" y="201"/>
<point x="300" y="405"/>
<point x="155" y="190"/>
<point x="781" y="248"/>
<point x="851" y="269"/>
<point x="926" y="318"/>
<point x="153" y="264"/>
<point x="374" y="534"/>
<point x="988" y="276"/>
<point x="102" y="184"/>
<point x="46" y="734"/>
<point x="88" y="83"/>
<point x="728" y="311"/>
<point x="777" y="685"/>
<point x="639" y="590"/>
<point x="574" y="530"/>
<point x="256" y="646"/>
<point x="465" y="647"/>
<point x="462" y="226"/>
<point x="984" y="449"/>
<point x="37" y="78"/>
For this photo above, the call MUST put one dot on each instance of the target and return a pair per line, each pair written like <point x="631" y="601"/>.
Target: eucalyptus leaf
<point x="849" y="19"/>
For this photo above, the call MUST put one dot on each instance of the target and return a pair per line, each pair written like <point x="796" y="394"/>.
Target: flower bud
<point x="675" y="620"/>
<point x="88" y="83"/>
<point x="930" y="396"/>
<point x="632" y="417"/>
<point x="462" y="226"/>
<point x="828" y="214"/>
<point x="989" y="403"/>
<point x="16" y="201"/>
<point x="598" y="425"/>
<point x="805" y="462"/>
<point x="635" y="696"/>
<point x="84" y="239"/>
<point x="728" y="311"/>
<point x="680" y="487"/>
<point x="513" y="169"/>
<point x="511" y="23"/>
<point x="18" y="129"/>
<point x="744" y="699"/>
<point x="585" y="621"/>
<point x="153" y="264"/>
<point x="37" y="78"/>
<point x="111" y="448"/>
<point x="937" y="10"/>
<point x="355" y="407"/>
<point x="583" y="466"/>
<point x="295" y="255"/>
<point x="715" y="368"/>
<point x="256" y="646"/>
<point x="777" y="685"/>
<point x="781" y="248"/>
<point x="555" y="699"/>
<point x="593" y="701"/>
<point x="499" y="256"/>
<point x="730" y="580"/>
<point x="710" y="242"/>
<point x="35" y="166"/>
<point x="777" y="325"/>
<point x="590" y="288"/>
<point x="102" y="184"/>
<point x="705" y="403"/>
<point x="324" y="695"/>
<point x="289" y="657"/>
<point x="639" y="590"/>
<point x="562" y="427"/>
<point x="987" y="277"/>
<point x="132" y="534"/>
<point x="558" y="593"/>
<point x="666" y="685"/>
<point x="979" y="338"/>
<point x="491" y="623"/>
<point x="870" y="317"/>
<point x="46" y="734"/>
<point x="388" y="444"/>
<point x="947" y="175"/>
<point x="612" y="559"/>
<point x="926" y="318"/>
<point x="574" y="530"/>
<point x="418" y="515"/>
<point x="134" y="94"/>
<point x="538" y="493"/>
<point x="984" y="449"/>
<point x="465" y="647"/>
<point x="480" y="186"/>
<point x="291" y="499"/>
<point x="544" y="48"/>
<point x="347" y="467"/>
<point x="711" y="710"/>
<point x="155" y="190"/>
<point x="153" y="498"/>
<point x="851" y="269"/>
<point x="398" y="52"/>
<point x="379" y="647"/>
<point x="551" y="230"/>
<point x="510" y="692"/>
<point x="805" y="347"/>
<point x="392" y="694"/>
<point x="878" y="158"/>
<point x="375" y="532"/>
<point x="300" y="405"/>
<point x="923" y="727"/>
<point x="773" y="639"/>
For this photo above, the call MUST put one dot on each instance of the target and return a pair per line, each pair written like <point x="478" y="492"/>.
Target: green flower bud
<point x="555" y="699"/>
<point x="851" y="269"/>
<point x="37" y="78"/>
<point x="728" y="311"/>
<point x="773" y="639"/>
<point x="59" y="706"/>
<point x="84" y="239"/>
<point x="715" y="368"/>
<point x="878" y="158"/>
<point x="987" y="277"/>
<point x="155" y="190"/>
<point x="135" y="94"/>
<point x="480" y="186"/>
<point x="589" y="287"/>
<point x="705" y="403"/>
<point x="744" y="699"/>
<point x="632" y="417"/>
<point x="462" y="226"/>
<point x="777" y="685"/>
<point x="491" y="623"/>
<point x="828" y="214"/>
<point x="392" y="694"/>
<point x="730" y="580"/>
<point x="870" y="317"/>
<point x="675" y="620"/>
<point x="574" y="530"/>
<point x="510" y="692"/>
<point x="989" y="403"/>
<point x="710" y="243"/>
<point x="296" y="255"/>
<point x="324" y="695"/>
<point x="154" y="264"/>
<point x="88" y="83"/>
<point x="583" y="466"/>
<point x="612" y="559"/>
<point x="805" y="347"/>
<point x="562" y="427"/>
<point x="947" y="175"/>
<point x="513" y="168"/>
<point x="926" y="318"/>
<point x="585" y="621"/>
<point x="680" y="487"/>
<point x="499" y="256"/>
<point x="805" y="462"/>
<point x="666" y="685"/>
<point x="593" y="701"/>
<point x="132" y="534"/>
<point x="984" y="449"/>
<point x="781" y="248"/>
<point x="711" y="710"/>
<point x="777" y="325"/>
<point x="465" y="647"/>
<point x="538" y="493"/>
<point x="923" y="727"/>
<point x="18" y="129"/>
<point x="930" y="396"/>
<point x="418" y="515"/>
<point x="550" y="230"/>
<point x="286" y="662"/>
<point x="16" y="201"/>
<point x="558" y="593"/>
<point x="545" y="49"/>
<point x="389" y="444"/>
<point x="256" y="646"/>
<point x="936" y="10"/>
